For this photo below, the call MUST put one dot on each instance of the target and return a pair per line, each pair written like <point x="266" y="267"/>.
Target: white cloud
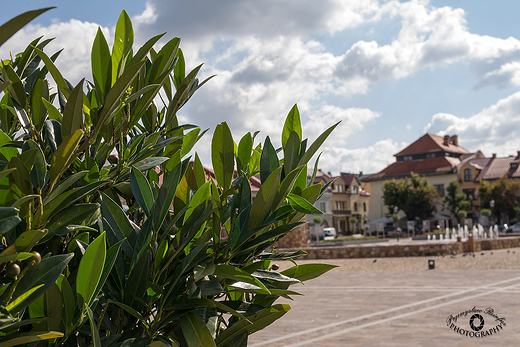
<point x="371" y="159"/>
<point x="495" y="129"/>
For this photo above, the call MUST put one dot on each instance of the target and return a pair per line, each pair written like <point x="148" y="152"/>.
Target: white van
<point x="330" y="232"/>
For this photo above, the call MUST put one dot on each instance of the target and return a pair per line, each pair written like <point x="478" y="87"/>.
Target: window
<point x="467" y="175"/>
<point x="340" y="188"/>
<point x="514" y="165"/>
<point x="364" y="207"/>
<point x="407" y="158"/>
<point x="355" y="207"/>
<point x="440" y="189"/>
<point x="354" y="189"/>
<point x="470" y="193"/>
<point x="430" y="155"/>
<point x="340" y="205"/>
<point x="323" y="207"/>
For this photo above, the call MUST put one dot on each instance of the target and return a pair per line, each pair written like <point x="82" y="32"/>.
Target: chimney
<point x="455" y="140"/>
<point x="360" y="173"/>
<point x="517" y="155"/>
<point x="494" y="156"/>
<point x="446" y="140"/>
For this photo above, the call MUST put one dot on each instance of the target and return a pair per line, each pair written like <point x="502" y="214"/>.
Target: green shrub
<point x="186" y="263"/>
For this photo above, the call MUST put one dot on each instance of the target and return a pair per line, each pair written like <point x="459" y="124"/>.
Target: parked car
<point x="515" y="228"/>
<point x="330" y="232"/>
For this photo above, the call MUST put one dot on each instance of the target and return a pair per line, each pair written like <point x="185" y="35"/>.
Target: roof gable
<point x="431" y="143"/>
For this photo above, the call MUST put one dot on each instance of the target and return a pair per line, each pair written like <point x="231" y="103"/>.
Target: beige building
<point x="434" y="157"/>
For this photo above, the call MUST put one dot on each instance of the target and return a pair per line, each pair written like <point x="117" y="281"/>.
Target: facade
<point x="345" y="198"/>
<point x="474" y="170"/>
<point x="434" y="157"/>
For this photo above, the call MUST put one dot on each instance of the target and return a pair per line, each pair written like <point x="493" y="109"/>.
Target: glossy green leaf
<point x="316" y="145"/>
<point x="23" y="200"/>
<point x="144" y="50"/>
<point x="235" y="274"/>
<point x="189" y="140"/>
<point x="268" y="160"/>
<point x="195" y="331"/>
<point x="302" y="205"/>
<point x="222" y="155"/>
<point x="90" y="270"/>
<point x="142" y="191"/>
<point x="39" y="170"/>
<point x="8" y="219"/>
<point x="307" y="272"/>
<point x="180" y="70"/>
<point x="286" y="187"/>
<point x="292" y="123"/>
<point x="264" y="199"/>
<point x="33" y="336"/>
<point x="9" y="28"/>
<point x="160" y="255"/>
<point x="118" y="222"/>
<point x="53" y="111"/>
<point x="116" y="93"/>
<point x="21" y="178"/>
<point x="56" y="74"/>
<point x="259" y="321"/>
<point x="69" y="304"/>
<point x="64" y="155"/>
<point x="291" y="153"/>
<point x="273" y="276"/>
<point x="167" y="193"/>
<point x="101" y="65"/>
<point x="202" y="194"/>
<point x="8" y="152"/>
<point x="15" y="256"/>
<point x="281" y="255"/>
<point x="123" y="41"/>
<point x="37" y="109"/>
<point x="16" y="302"/>
<point x="245" y="148"/>
<point x="94" y="333"/>
<point x="46" y="273"/>
<point x="130" y="310"/>
<point x="60" y="223"/>
<point x="149" y="163"/>
<point x="16" y="87"/>
<point x="73" y="112"/>
<point x="136" y="284"/>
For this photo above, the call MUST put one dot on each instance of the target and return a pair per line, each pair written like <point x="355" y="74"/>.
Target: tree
<point x="130" y="229"/>
<point x="414" y="195"/>
<point x="504" y="193"/>
<point x="461" y="215"/>
<point x="454" y="200"/>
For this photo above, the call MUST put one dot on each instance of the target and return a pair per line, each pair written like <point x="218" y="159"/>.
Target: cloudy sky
<point x="389" y="70"/>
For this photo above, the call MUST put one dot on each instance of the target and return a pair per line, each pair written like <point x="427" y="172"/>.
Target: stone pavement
<point x="399" y="302"/>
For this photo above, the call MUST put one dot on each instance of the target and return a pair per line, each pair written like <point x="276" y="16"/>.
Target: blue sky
<point x="390" y="70"/>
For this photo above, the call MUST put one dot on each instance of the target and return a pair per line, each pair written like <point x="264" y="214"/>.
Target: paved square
<point x="399" y="302"/>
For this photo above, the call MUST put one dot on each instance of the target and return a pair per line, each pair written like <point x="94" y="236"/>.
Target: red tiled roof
<point x="498" y="167"/>
<point x="433" y="166"/>
<point x="431" y="143"/>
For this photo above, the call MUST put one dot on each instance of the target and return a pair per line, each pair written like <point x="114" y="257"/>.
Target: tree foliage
<point x="454" y="200"/>
<point x="413" y="195"/>
<point x="138" y="246"/>
<point x="505" y="194"/>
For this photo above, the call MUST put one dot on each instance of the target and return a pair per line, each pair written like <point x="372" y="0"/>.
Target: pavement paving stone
<point x="402" y="302"/>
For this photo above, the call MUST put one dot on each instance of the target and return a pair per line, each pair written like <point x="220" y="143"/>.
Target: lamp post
<point x="492" y="205"/>
<point x="396" y="218"/>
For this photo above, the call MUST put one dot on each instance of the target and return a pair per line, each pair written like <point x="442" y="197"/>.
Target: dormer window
<point x="467" y="175"/>
<point x="407" y="158"/>
<point x="514" y="165"/>
<point x="430" y="155"/>
<point x="354" y="189"/>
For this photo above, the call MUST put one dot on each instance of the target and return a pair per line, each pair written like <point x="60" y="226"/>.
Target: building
<point x="345" y="198"/>
<point x="479" y="168"/>
<point x="434" y="157"/>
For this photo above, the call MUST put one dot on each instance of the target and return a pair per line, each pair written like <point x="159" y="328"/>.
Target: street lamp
<point x="492" y="205"/>
<point x="395" y="222"/>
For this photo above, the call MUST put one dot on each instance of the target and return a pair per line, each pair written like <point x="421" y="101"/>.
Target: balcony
<point x="341" y="212"/>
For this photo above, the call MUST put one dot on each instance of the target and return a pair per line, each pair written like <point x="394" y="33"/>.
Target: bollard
<point x="471" y="244"/>
<point x="431" y="264"/>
